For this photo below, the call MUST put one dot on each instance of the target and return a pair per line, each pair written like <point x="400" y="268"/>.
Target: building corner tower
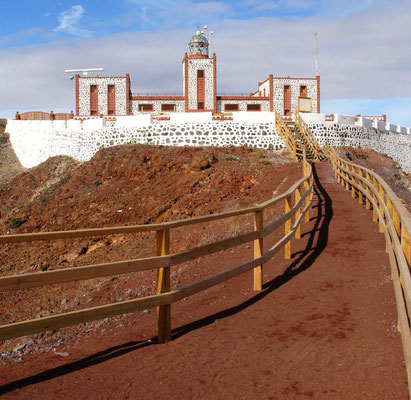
<point x="199" y="76"/>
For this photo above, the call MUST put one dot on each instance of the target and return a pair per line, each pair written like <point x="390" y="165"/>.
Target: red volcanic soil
<point x="324" y="325"/>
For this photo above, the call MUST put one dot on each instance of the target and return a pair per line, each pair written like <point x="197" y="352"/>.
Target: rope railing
<point x="395" y="223"/>
<point x="297" y="202"/>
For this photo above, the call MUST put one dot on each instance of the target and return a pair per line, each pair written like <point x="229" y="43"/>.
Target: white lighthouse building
<point x="111" y="96"/>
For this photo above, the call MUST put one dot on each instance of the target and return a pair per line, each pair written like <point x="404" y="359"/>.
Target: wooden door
<point x="111" y="99"/>
<point x="93" y="100"/>
<point x="287" y="100"/>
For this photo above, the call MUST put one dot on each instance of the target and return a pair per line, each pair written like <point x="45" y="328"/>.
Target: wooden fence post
<point x="382" y="194"/>
<point x="367" y="200"/>
<point x="352" y="186"/>
<point x="258" y="250"/>
<point x="406" y="244"/>
<point x="347" y="177"/>
<point x="287" y="247"/>
<point x="361" y="185"/>
<point x="389" y="206"/>
<point x="397" y="221"/>
<point x="374" y="209"/>
<point x="298" y="212"/>
<point x="163" y="285"/>
<point x="307" y="185"/>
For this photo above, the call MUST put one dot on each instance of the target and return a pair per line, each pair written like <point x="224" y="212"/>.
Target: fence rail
<point x="395" y="223"/>
<point x="297" y="198"/>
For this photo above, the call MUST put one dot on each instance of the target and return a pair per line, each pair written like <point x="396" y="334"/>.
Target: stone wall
<point x="33" y="146"/>
<point x="394" y="145"/>
<point x="35" y="141"/>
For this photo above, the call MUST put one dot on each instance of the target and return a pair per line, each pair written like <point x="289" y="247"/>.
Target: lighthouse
<point x="199" y="76"/>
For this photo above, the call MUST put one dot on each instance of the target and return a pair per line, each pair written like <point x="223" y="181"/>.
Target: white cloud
<point x="47" y="14"/>
<point x="69" y="22"/>
<point x="361" y="56"/>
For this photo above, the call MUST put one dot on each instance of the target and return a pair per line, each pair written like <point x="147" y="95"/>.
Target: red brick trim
<point x="151" y="98"/>
<point x="201" y="90"/>
<point x="185" y="61"/>
<point x="77" y="94"/>
<point x="297" y="79"/>
<point x="215" y="83"/>
<point x="245" y="98"/>
<point x="194" y="56"/>
<point x="103" y="77"/>
<point x="318" y="94"/>
<point x="210" y="111"/>
<point x="262" y="83"/>
<point x="128" y="94"/>
<point x="271" y="88"/>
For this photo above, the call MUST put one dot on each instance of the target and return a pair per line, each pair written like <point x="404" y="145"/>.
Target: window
<point x="145" y="107"/>
<point x="231" y="107"/>
<point x="93" y="100"/>
<point x="253" y="107"/>
<point x="201" y="105"/>
<point x="303" y="91"/>
<point x="168" y="107"/>
<point x="200" y="73"/>
<point x="111" y="99"/>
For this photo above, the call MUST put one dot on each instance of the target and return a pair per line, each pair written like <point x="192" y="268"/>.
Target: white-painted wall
<point x="313" y="118"/>
<point x="344" y="119"/>
<point x="253" y="117"/>
<point x="191" y="117"/>
<point x="135" y="120"/>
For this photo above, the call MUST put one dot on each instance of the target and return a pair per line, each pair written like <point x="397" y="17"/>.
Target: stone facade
<point x="207" y="66"/>
<point x="102" y="84"/>
<point x="156" y="106"/>
<point x="294" y="83"/>
<point x="242" y="104"/>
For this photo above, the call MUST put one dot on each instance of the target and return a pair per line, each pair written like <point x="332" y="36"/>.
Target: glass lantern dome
<point x="198" y="45"/>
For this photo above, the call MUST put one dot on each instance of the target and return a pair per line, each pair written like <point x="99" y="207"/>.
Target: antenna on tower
<point x="210" y="34"/>
<point x="316" y="55"/>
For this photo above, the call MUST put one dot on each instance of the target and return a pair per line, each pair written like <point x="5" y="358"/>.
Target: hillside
<point x="128" y="185"/>
<point x="124" y="185"/>
<point x="9" y="164"/>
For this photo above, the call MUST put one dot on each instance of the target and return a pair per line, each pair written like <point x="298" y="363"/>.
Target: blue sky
<point x="363" y="48"/>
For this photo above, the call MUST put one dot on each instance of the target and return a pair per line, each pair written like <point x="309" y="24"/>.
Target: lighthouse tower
<point x="199" y="76"/>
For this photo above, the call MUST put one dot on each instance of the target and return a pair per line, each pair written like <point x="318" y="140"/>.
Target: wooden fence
<point x="308" y="139"/>
<point x="395" y="223"/>
<point x="297" y="198"/>
<point x="44" y="116"/>
<point x="288" y="137"/>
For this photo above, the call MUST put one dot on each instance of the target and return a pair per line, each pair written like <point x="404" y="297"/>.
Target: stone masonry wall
<point x="394" y="145"/>
<point x="33" y="142"/>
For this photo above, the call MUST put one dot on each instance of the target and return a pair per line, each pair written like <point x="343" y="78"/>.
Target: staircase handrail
<point x="287" y="136"/>
<point x="308" y="137"/>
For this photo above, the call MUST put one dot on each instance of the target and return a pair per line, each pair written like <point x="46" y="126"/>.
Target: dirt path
<point x="324" y="327"/>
